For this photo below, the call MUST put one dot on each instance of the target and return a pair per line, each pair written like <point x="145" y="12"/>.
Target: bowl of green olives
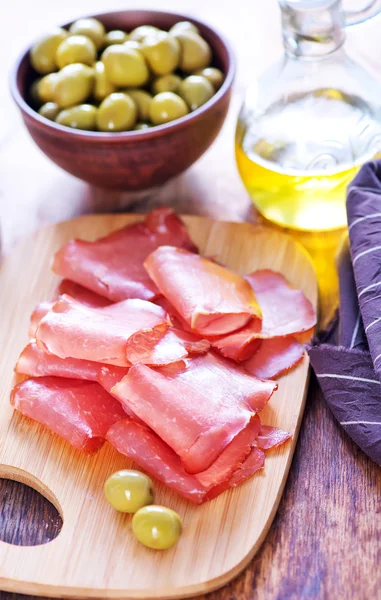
<point x="125" y="100"/>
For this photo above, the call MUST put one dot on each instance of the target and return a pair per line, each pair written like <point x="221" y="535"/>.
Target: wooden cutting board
<point x="95" y="555"/>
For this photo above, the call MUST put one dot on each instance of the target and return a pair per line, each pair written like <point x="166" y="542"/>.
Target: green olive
<point x="195" y="51"/>
<point x="215" y="76"/>
<point x="49" y="110"/>
<point x="162" y="52"/>
<point x="102" y="86"/>
<point x="33" y="93"/>
<point x="142" y="126"/>
<point x="182" y="26"/>
<point x="141" y="32"/>
<point x="196" y="90"/>
<point x="43" y="52"/>
<point x="116" y="36"/>
<point x="166" y="107"/>
<point x="82" y="116"/>
<point x="157" y="527"/>
<point x="125" y="67"/>
<point x="143" y="101"/>
<point x="74" y="85"/>
<point x="127" y="490"/>
<point x="132" y="44"/>
<point x="92" y="28"/>
<point x="166" y="83"/>
<point x="117" y="112"/>
<point x="44" y="88"/>
<point x="76" y="49"/>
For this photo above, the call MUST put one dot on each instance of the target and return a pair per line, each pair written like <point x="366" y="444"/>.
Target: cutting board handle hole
<point x="30" y="514"/>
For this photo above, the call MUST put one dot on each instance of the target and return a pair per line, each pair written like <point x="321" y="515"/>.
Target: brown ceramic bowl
<point x="132" y="160"/>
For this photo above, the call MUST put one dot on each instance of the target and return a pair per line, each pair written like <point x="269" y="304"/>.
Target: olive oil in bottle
<point x="310" y="121"/>
<point x="297" y="161"/>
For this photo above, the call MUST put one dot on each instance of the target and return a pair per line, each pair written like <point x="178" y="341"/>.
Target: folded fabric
<point x="350" y="373"/>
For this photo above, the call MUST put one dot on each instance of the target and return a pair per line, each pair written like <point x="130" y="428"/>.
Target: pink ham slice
<point x="232" y="456"/>
<point x="107" y="335"/>
<point x="39" y="313"/>
<point x="253" y="463"/>
<point x="271" y="437"/>
<point x="80" y="293"/>
<point x="148" y="450"/>
<point x="151" y="453"/>
<point x="239" y="345"/>
<point x="81" y="412"/>
<point x="197" y="410"/>
<point x="212" y="299"/>
<point x="113" y="266"/>
<point x="37" y="363"/>
<point x="72" y="289"/>
<point x="173" y="346"/>
<point x="285" y="310"/>
<point x="274" y="357"/>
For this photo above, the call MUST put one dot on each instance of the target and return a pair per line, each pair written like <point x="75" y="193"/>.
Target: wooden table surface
<point x="325" y="539"/>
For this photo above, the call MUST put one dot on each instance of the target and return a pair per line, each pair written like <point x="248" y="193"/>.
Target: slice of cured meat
<point x="172" y="347"/>
<point x="285" y="310"/>
<point x="113" y="266"/>
<point x="197" y="410"/>
<point x="212" y="299"/>
<point x="271" y="437"/>
<point x="274" y="357"/>
<point x="39" y="313"/>
<point x="105" y="334"/>
<point x="152" y="454"/>
<point x="37" y="363"/>
<point x="232" y="457"/>
<point x="253" y="463"/>
<point x="80" y="293"/>
<point x="72" y="289"/>
<point x="241" y="344"/>
<point x="81" y="412"/>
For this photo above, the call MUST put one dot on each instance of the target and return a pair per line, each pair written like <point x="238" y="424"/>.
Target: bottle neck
<point x="312" y="32"/>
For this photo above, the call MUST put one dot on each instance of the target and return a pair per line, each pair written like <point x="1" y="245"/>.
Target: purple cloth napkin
<point x="349" y="374"/>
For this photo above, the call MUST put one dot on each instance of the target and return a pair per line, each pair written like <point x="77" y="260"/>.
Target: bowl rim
<point x="128" y="135"/>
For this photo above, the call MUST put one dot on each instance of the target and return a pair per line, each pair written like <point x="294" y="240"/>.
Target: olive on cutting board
<point x="134" y="80"/>
<point x="157" y="527"/>
<point x="128" y="490"/>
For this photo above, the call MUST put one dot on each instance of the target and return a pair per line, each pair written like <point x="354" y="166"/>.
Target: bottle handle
<point x="353" y="17"/>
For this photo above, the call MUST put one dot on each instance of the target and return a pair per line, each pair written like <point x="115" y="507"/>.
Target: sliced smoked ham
<point x="197" y="410"/>
<point x="72" y="289"/>
<point x="37" y="363"/>
<point x="271" y="437"/>
<point x="172" y="347"/>
<point x="113" y="265"/>
<point x="274" y="357"/>
<point x="80" y="293"/>
<point x="39" y="313"/>
<point x="285" y="310"/>
<point x="253" y="463"/>
<point x="81" y="412"/>
<point x="107" y="334"/>
<point x="152" y="454"/>
<point x="241" y="344"/>
<point x="212" y="299"/>
<point x="232" y="457"/>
